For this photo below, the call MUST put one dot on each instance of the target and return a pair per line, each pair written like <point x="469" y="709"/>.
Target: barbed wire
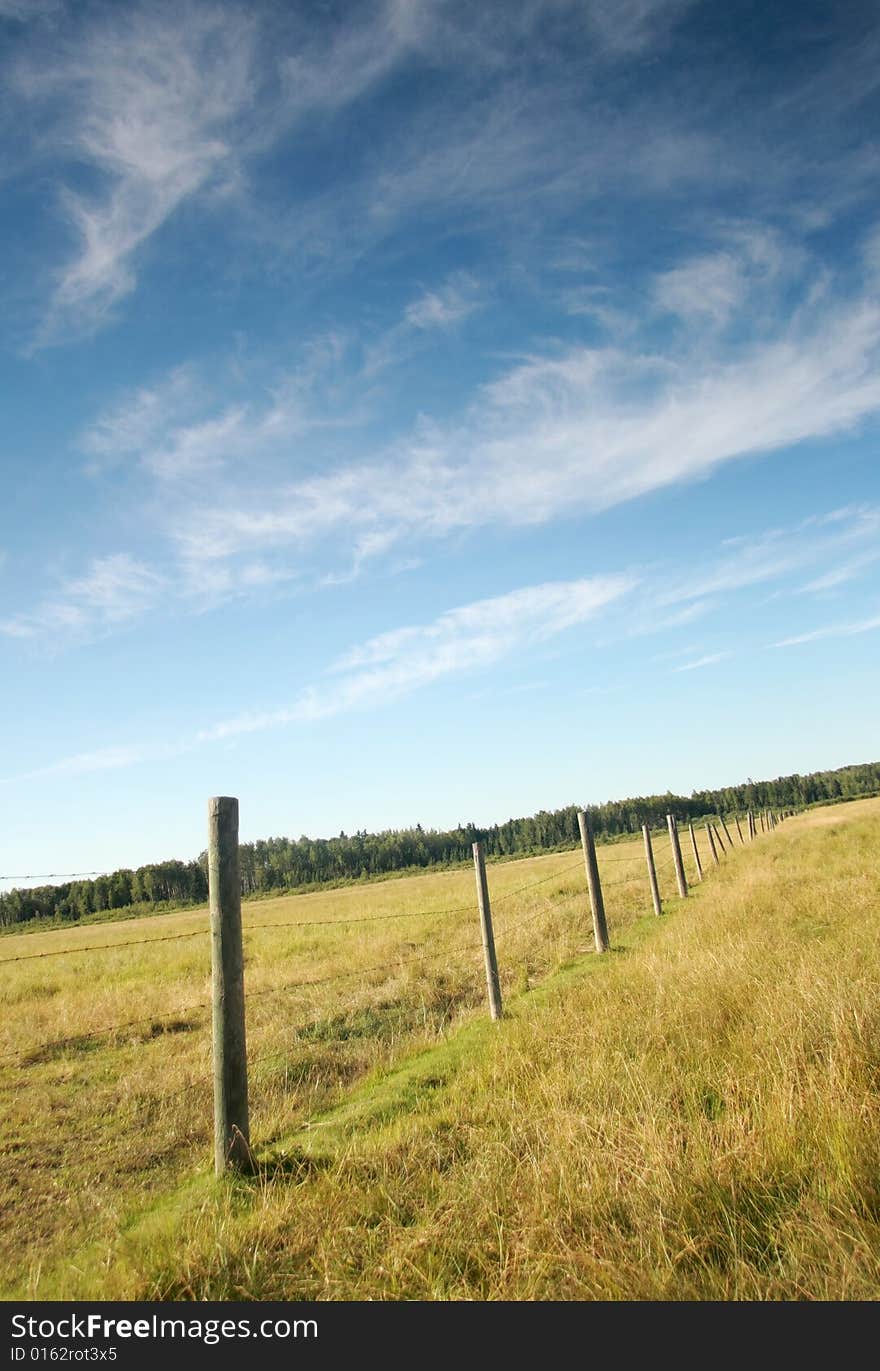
<point x="388" y="965"/>
<point x="104" y="947"/>
<point x="520" y="890"/>
<point x="260" y="1058"/>
<point x="203" y="1082"/>
<point x="624" y="880"/>
<point x="54" y="875"/>
<point x="72" y="1040"/>
<point x="248" y="928"/>
<point x="73" y="875"/>
<point x="287" y="923"/>
<point x="358" y="919"/>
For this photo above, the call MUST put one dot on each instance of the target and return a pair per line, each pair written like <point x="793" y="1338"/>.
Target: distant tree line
<point x="163" y="883"/>
<point x="278" y="864"/>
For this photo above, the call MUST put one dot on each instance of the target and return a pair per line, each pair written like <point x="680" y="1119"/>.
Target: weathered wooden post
<point x="676" y="856"/>
<point x="696" y="852"/>
<point x="493" y="985"/>
<point x="652" y="871"/>
<point x="712" y="844"/>
<point x="751" y="818"/>
<point x="763" y="822"/>
<point x="597" y="904"/>
<point x="739" y="830"/>
<point x="231" y="1128"/>
<point x="726" y="832"/>
<point x="718" y="838"/>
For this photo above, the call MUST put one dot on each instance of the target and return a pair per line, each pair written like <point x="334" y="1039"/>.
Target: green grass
<point x="693" y="1116"/>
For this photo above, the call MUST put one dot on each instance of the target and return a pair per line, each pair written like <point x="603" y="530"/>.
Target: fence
<point x="609" y="872"/>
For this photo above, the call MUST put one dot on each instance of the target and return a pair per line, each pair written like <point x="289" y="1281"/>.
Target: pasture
<point x="694" y="1115"/>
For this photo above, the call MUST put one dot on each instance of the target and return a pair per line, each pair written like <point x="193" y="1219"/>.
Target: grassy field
<point x="695" y="1115"/>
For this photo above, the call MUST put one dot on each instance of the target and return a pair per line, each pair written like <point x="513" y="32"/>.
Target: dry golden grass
<point x="693" y="1116"/>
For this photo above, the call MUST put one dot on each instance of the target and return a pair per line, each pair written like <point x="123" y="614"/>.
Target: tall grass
<point x="694" y="1116"/>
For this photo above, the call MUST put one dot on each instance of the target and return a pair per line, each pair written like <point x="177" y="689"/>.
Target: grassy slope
<point x="694" y="1116"/>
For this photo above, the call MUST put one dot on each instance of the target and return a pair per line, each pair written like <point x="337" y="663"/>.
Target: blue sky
<point x="420" y="411"/>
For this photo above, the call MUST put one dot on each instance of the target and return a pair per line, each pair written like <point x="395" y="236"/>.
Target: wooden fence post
<point x="726" y="832"/>
<point x="231" y="1127"/>
<point x="681" y="882"/>
<point x="696" y="852"/>
<point x="739" y="830"/>
<point x="751" y="819"/>
<point x="652" y="871"/>
<point x="597" y="904"/>
<point x="492" y="983"/>
<point x="712" y="844"/>
<point x="763" y="823"/>
<point x="718" y="837"/>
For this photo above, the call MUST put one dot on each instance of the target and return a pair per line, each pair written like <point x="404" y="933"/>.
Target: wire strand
<point x="497" y="899"/>
<point x="293" y="923"/>
<point x="626" y="880"/>
<point x="53" y="875"/>
<point x="103" y="947"/>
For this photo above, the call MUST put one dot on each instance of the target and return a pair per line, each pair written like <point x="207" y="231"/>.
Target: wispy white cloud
<point x="629" y="26"/>
<point x="845" y="630"/>
<point x="653" y="614"/>
<point x="673" y="597"/>
<point x="576" y="432"/>
<point x="144" y="98"/>
<point x="446" y="305"/>
<point x="475" y="637"/>
<point x="710" y="660"/>
<point x="746" y="268"/>
<point x="172" y="431"/>
<point x="114" y="590"/>
<point x="777" y="554"/>
<point x="470" y="638"/>
<point x="333" y="67"/>
<point x="105" y="759"/>
<point x="166" y="104"/>
<point x="169" y="104"/>
<point x="136" y="427"/>
<point x="710" y="286"/>
<point x="841" y="575"/>
<point x="435" y="311"/>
